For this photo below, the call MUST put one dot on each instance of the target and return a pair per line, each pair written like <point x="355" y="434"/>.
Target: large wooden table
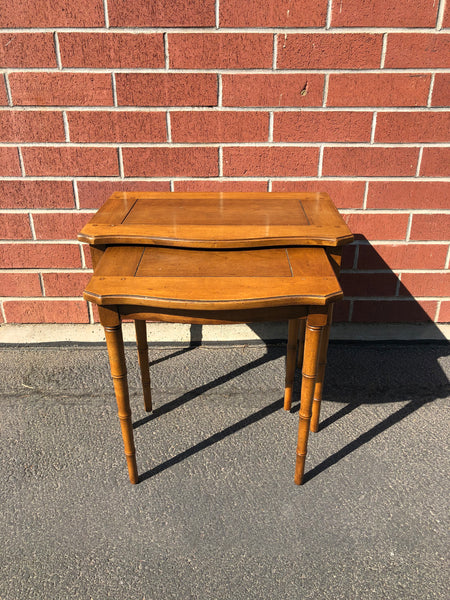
<point x="218" y="258"/>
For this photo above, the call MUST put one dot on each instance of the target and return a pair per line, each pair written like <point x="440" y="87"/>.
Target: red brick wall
<point x="345" y="96"/>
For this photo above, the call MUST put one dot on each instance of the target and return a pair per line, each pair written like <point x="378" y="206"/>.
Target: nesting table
<point x="218" y="258"/>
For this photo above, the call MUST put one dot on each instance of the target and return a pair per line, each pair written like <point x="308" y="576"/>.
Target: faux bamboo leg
<point x="314" y="328"/>
<point x="114" y="342"/>
<point x="142" y="346"/>
<point x="293" y="327"/>
<point x="318" y="389"/>
<point x="301" y="342"/>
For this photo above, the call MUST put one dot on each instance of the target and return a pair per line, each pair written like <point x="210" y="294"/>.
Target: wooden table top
<point x="217" y="220"/>
<point x="189" y="279"/>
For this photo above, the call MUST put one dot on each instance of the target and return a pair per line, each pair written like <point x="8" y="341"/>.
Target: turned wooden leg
<point x="314" y="325"/>
<point x="142" y="346"/>
<point x="114" y="343"/>
<point x="301" y="342"/>
<point x="318" y="389"/>
<point x="293" y="327"/>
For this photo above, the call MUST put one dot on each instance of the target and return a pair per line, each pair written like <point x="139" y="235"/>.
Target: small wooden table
<point x="218" y="258"/>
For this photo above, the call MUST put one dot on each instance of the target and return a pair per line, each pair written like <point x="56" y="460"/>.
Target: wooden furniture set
<point x="218" y="258"/>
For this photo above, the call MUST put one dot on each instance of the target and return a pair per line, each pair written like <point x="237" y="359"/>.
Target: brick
<point x="9" y="162"/>
<point x="15" y="227"/>
<point x="220" y="50"/>
<point x="159" y="13"/>
<point x="441" y="90"/>
<point x="276" y="13"/>
<point x="20" y="284"/>
<point x="417" y="50"/>
<point x="65" y="284"/>
<point x="431" y="227"/>
<point x="269" y="161"/>
<point x="41" y="13"/>
<point x="393" y="311"/>
<point x="112" y="50"/>
<point x="329" y="51"/>
<point x="170" y="162"/>
<point x="3" y="96"/>
<point x="31" y="126"/>
<point x="435" y="162"/>
<point x="92" y="194"/>
<point x="368" y="284"/>
<point x="348" y="256"/>
<point x="444" y="313"/>
<point x="40" y="256"/>
<point x="220" y="186"/>
<point x="412" y="127"/>
<point x="312" y="126"/>
<point x="341" y="312"/>
<point x="384" y="13"/>
<point x="425" y="284"/>
<point x="61" y="89"/>
<point x="345" y="194"/>
<point x="46" y="311"/>
<point x="273" y="90"/>
<point x="27" y="50"/>
<point x="59" y="226"/>
<point x="36" y="194"/>
<point x="402" y="256"/>
<point x="122" y="126"/>
<point x="166" y="89"/>
<point x="408" y="194"/>
<point x="365" y="161"/>
<point x="373" y="89"/>
<point x="70" y="161"/>
<point x="378" y="226"/>
<point x="219" y="126"/>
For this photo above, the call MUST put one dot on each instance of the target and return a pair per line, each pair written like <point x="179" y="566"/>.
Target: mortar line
<point x="319" y="166"/>
<point x="220" y="159"/>
<point x="238" y="30"/>
<point x="21" y="163"/>
<point x="440" y="15"/>
<point x="269" y="185"/>
<point x="105" y="11"/>
<point x="374" y="124"/>
<point x="430" y="93"/>
<point x="219" y="90"/>
<point x="419" y="161"/>
<point x="168" y="127"/>
<point x="8" y="90"/>
<point x="120" y="159"/>
<point x="83" y="261"/>
<point x="66" y="126"/>
<point x="217" y="14"/>
<point x="447" y="261"/>
<point x="114" y="90"/>
<point x="325" y="90"/>
<point x="41" y="281"/>
<point x="166" y="52"/>
<point x="137" y="108"/>
<point x="33" y="231"/>
<point x="75" y="194"/>
<point x="366" y="190"/>
<point x="329" y="14"/>
<point x="2" y="309"/>
<point x="270" y="136"/>
<point x="383" y="50"/>
<point x="275" y="51"/>
<point x="350" y="311"/>
<point x="57" y="50"/>
<point x="408" y="229"/>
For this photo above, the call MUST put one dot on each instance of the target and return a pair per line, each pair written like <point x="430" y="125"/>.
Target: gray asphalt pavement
<point x="216" y="514"/>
